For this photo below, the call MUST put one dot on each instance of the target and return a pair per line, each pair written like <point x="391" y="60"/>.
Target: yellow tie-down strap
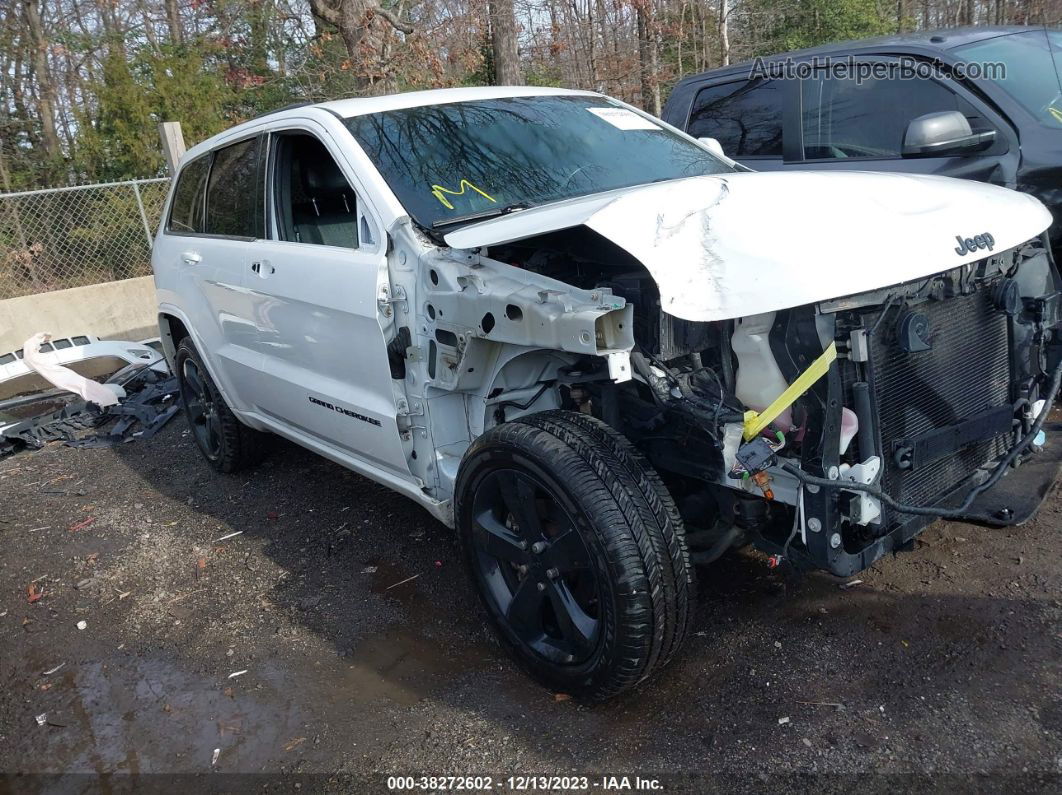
<point x="756" y="422"/>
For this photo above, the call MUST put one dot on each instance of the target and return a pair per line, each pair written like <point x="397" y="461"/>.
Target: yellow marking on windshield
<point x="438" y="190"/>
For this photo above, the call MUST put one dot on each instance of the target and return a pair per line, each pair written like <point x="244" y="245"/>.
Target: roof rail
<point x="292" y="106"/>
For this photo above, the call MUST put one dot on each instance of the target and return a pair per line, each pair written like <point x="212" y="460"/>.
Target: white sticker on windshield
<point x="624" y="119"/>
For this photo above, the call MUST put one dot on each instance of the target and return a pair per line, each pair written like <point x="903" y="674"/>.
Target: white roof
<point x="357" y="106"/>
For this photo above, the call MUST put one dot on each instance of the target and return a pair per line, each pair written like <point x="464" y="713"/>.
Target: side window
<point x="186" y="209"/>
<point x="844" y="118"/>
<point x="745" y="117"/>
<point x="234" y="200"/>
<point x="314" y="202"/>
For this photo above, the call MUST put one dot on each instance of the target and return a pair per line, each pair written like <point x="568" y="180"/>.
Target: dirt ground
<point x="338" y="634"/>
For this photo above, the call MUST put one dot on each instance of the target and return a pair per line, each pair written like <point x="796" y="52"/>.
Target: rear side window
<point x="234" y="200"/>
<point x="186" y="210"/>
<point x="745" y="117"/>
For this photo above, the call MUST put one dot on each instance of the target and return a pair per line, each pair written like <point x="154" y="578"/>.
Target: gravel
<point x="943" y="661"/>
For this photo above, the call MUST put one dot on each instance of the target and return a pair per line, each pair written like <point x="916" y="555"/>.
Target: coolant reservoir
<point x="759" y="379"/>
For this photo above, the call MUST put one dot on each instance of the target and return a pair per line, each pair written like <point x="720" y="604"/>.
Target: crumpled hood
<point x="740" y="244"/>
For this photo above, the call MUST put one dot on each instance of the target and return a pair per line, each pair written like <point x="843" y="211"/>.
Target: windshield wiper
<point x="480" y="216"/>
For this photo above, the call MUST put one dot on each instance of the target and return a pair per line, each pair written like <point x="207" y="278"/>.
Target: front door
<point x="855" y="123"/>
<point x="315" y="286"/>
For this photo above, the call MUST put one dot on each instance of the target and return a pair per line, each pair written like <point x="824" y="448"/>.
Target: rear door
<point x="316" y="286"/>
<point x="215" y="216"/>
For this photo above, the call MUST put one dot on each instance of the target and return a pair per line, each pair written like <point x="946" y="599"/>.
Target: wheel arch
<point x="172" y="329"/>
<point x="174" y="326"/>
<point x="517" y="376"/>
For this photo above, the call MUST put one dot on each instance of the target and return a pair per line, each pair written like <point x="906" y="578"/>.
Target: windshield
<point x="1032" y="61"/>
<point x="446" y="163"/>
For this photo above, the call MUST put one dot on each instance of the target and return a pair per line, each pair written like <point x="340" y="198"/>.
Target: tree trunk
<point x="45" y="85"/>
<point x="258" y="13"/>
<point x="647" y="57"/>
<point x="724" y="33"/>
<point x="503" y="42"/>
<point x="173" y="22"/>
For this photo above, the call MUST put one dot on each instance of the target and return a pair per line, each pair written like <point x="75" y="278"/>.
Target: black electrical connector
<point x="756" y="456"/>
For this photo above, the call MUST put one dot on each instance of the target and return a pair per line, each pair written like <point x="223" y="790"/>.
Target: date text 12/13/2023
<point x="523" y="783"/>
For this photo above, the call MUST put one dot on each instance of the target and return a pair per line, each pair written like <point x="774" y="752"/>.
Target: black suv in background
<point x="1010" y="131"/>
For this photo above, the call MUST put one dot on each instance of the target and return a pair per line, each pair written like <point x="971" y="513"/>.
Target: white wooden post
<point x="172" y="143"/>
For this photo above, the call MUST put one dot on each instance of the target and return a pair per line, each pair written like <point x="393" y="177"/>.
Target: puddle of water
<point x="398" y="665"/>
<point x="148" y="716"/>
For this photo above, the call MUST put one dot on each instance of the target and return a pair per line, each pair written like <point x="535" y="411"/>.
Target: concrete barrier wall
<point x="112" y="310"/>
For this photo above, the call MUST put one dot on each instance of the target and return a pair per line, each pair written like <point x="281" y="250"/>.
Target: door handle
<point x="263" y="268"/>
<point x="191" y="257"/>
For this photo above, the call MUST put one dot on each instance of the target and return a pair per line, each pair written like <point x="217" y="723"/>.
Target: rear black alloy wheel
<point x="577" y="551"/>
<point x="534" y="566"/>
<point x="202" y="410"/>
<point x="225" y="442"/>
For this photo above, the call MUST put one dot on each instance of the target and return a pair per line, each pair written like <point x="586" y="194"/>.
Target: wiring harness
<point x="940" y="512"/>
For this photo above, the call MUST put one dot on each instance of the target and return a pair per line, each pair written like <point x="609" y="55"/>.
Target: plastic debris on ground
<point x="64" y="378"/>
<point x="140" y="399"/>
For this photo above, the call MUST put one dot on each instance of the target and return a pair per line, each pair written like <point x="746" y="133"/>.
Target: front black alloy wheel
<point x="534" y="566"/>
<point x="225" y="442"/>
<point x="577" y="551"/>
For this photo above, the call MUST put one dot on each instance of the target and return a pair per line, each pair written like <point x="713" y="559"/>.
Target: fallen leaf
<point x="201" y="563"/>
<point x="561" y="697"/>
<point x="293" y="743"/>
<point x="33" y="594"/>
<point x="81" y="525"/>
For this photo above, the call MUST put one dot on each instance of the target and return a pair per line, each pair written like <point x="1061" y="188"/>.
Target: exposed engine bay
<point x="918" y="390"/>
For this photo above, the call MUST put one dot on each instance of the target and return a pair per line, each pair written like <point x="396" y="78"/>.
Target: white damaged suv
<point x="604" y="353"/>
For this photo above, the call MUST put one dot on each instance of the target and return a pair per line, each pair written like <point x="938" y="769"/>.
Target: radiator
<point x="965" y="372"/>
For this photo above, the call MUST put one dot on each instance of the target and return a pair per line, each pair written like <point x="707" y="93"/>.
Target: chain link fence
<point x="69" y="237"/>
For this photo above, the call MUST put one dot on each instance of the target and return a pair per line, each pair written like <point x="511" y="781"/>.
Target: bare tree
<point x="506" y="54"/>
<point x="46" y="93"/>
<point x="648" y="54"/>
<point x="724" y="32"/>
<point x="353" y="18"/>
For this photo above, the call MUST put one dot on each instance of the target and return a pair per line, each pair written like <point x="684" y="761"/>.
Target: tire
<point x="591" y="590"/>
<point x="226" y="443"/>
